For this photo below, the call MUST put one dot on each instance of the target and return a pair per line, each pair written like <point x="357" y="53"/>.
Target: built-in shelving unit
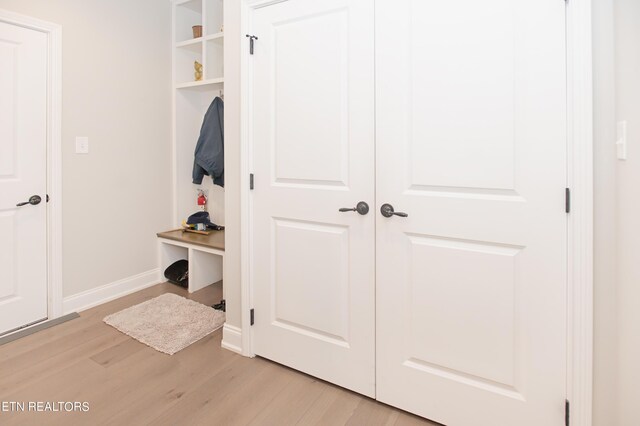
<point x="192" y="98"/>
<point x="207" y="49"/>
<point x="204" y="252"/>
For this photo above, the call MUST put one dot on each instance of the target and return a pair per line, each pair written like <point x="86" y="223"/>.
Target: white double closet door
<point x="455" y="114"/>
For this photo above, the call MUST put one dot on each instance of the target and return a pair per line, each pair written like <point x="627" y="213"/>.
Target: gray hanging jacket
<point x="209" y="154"/>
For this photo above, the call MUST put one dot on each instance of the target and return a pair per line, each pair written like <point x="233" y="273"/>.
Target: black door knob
<point x="361" y="207"/>
<point x="387" y="211"/>
<point x="33" y="200"/>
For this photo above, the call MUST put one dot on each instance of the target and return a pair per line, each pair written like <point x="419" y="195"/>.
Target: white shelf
<point x="192" y="42"/>
<point x="214" y="36"/>
<point x="199" y="40"/>
<point x="192" y="84"/>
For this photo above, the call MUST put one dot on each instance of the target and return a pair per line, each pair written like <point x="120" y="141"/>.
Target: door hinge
<point x="251" y="40"/>
<point x="567" y="200"/>
<point x="251" y="181"/>
<point x="251" y="317"/>
<point x="566" y="412"/>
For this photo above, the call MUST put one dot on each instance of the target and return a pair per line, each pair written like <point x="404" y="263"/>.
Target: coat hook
<point x="251" y="39"/>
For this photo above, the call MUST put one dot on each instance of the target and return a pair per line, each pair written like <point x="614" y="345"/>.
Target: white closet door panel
<point x="471" y="143"/>
<point x="312" y="124"/>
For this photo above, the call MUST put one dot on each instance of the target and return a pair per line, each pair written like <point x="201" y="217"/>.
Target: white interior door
<point x="23" y="124"/>
<point x="471" y="144"/>
<point x="313" y="153"/>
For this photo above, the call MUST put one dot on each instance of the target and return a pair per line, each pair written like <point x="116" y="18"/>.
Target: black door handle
<point x="33" y="200"/>
<point x="361" y="207"/>
<point x="388" y="211"/>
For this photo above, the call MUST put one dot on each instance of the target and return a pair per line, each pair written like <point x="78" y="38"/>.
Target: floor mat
<point x="167" y="323"/>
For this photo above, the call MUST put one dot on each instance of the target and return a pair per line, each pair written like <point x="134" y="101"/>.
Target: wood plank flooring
<point x="128" y="383"/>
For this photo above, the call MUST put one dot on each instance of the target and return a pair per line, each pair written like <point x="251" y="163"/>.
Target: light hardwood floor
<point x="128" y="383"/>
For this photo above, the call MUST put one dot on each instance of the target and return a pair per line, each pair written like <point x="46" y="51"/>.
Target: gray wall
<point x="605" y="296"/>
<point x="627" y="103"/>
<point x="616" y="36"/>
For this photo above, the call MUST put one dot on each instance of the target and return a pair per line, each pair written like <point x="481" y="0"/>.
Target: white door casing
<point x="313" y="153"/>
<point x="23" y="173"/>
<point x="471" y="143"/>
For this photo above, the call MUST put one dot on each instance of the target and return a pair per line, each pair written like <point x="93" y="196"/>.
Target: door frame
<point x="54" y="153"/>
<point x="579" y="180"/>
<point x="580" y="224"/>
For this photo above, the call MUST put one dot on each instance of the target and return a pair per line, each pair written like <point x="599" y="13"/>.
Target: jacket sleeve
<point x="198" y="173"/>
<point x="218" y="173"/>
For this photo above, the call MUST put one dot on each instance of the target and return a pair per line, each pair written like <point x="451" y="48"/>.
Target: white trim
<point x="54" y="171"/>
<point x="54" y="153"/>
<point x="174" y="126"/>
<point x="246" y="167"/>
<point x="108" y="292"/>
<point x="232" y="338"/>
<point x="580" y="227"/>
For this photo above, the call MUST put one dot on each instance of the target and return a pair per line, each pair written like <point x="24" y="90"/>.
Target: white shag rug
<point x="167" y="323"/>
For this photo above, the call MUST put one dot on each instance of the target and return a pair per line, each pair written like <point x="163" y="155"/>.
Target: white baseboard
<point x="232" y="338"/>
<point x="97" y="296"/>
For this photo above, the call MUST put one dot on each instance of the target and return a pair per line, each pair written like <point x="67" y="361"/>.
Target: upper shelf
<point x="214" y="36"/>
<point x="189" y="43"/>
<point x="196" y="41"/>
<point x="202" y="83"/>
